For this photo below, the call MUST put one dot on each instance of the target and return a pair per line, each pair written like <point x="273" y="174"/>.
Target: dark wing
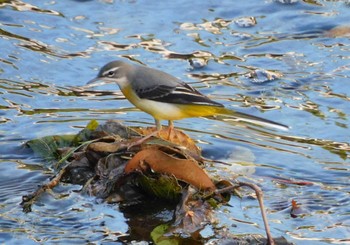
<point x="181" y="94"/>
<point x="159" y="86"/>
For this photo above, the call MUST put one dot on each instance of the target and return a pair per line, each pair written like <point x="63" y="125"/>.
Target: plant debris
<point x="126" y="165"/>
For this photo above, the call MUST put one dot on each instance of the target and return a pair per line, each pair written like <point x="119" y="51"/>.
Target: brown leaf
<point x="295" y="205"/>
<point x="174" y="136"/>
<point x="186" y="170"/>
<point x="298" y="210"/>
<point x="104" y="147"/>
<point x="192" y="214"/>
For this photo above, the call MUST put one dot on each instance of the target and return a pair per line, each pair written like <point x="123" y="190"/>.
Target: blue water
<point x="49" y="48"/>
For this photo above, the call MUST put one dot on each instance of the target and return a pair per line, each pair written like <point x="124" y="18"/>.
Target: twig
<point x="259" y="195"/>
<point x="29" y="200"/>
<point x="70" y="153"/>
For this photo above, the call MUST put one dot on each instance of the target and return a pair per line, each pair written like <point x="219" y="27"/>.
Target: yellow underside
<point x="168" y="111"/>
<point x="198" y="110"/>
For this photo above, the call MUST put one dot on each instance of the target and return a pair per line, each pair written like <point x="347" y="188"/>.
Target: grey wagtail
<point x="165" y="97"/>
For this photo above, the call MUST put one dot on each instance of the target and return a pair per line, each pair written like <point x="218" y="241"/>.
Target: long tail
<point x="243" y="117"/>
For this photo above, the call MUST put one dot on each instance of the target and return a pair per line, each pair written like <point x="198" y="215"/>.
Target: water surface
<point x="49" y="47"/>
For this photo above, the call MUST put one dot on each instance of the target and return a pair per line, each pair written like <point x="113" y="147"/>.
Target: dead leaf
<point x="295" y="204"/>
<point x="105" y="147"/>
<point x="174" y="136"/>
<point x="192" y="214"/>
<point x="297" y="210"/>
<point x="186" y="170"/>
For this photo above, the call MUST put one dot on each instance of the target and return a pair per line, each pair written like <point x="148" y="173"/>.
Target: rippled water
<point x="271" y="59"/>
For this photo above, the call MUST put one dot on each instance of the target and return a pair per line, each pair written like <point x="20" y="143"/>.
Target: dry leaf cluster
<point x="120" y="165"/>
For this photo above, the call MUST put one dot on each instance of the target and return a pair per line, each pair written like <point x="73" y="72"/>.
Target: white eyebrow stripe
<point x="112" y="69"/>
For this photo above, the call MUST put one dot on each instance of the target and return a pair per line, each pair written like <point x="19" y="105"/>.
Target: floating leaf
<point x="297" y="210"/>
<point x="158" y="237"/>
<point x="47" y="146"/>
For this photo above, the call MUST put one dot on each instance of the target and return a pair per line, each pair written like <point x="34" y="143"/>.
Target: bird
<point x="166" y="97"/>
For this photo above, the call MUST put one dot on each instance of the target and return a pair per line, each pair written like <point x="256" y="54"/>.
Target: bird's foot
<point x="170" y="130"/>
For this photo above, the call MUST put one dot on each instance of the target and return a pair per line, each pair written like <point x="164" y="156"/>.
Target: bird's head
<point x="113" y="72"/>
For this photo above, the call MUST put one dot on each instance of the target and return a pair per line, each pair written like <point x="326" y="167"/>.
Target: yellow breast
<point x="168" y="111"/>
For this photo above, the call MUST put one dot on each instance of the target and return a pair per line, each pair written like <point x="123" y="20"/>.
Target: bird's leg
<point x="158" y="128"/>
<point x="143" y="139"/>
<point x="158" y="125"/>
<point x="170" y="128"/>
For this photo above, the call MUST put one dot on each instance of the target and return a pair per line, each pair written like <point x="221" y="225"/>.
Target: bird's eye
<point x="110" y="73"/>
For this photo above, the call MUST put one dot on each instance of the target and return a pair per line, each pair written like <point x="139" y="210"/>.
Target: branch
<point x="259" y="195"/>
<point x="29" y="200"/>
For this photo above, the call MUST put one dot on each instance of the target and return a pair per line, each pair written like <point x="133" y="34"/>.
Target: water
<point x="48" y="47"/>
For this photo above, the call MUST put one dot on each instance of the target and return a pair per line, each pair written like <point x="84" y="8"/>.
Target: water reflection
<point x="289" y="65"/>
<point x="23" y="6"/>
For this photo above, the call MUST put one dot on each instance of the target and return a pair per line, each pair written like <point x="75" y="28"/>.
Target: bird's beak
<point x="96" y="79"/>
<point x="96" y="82"/>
